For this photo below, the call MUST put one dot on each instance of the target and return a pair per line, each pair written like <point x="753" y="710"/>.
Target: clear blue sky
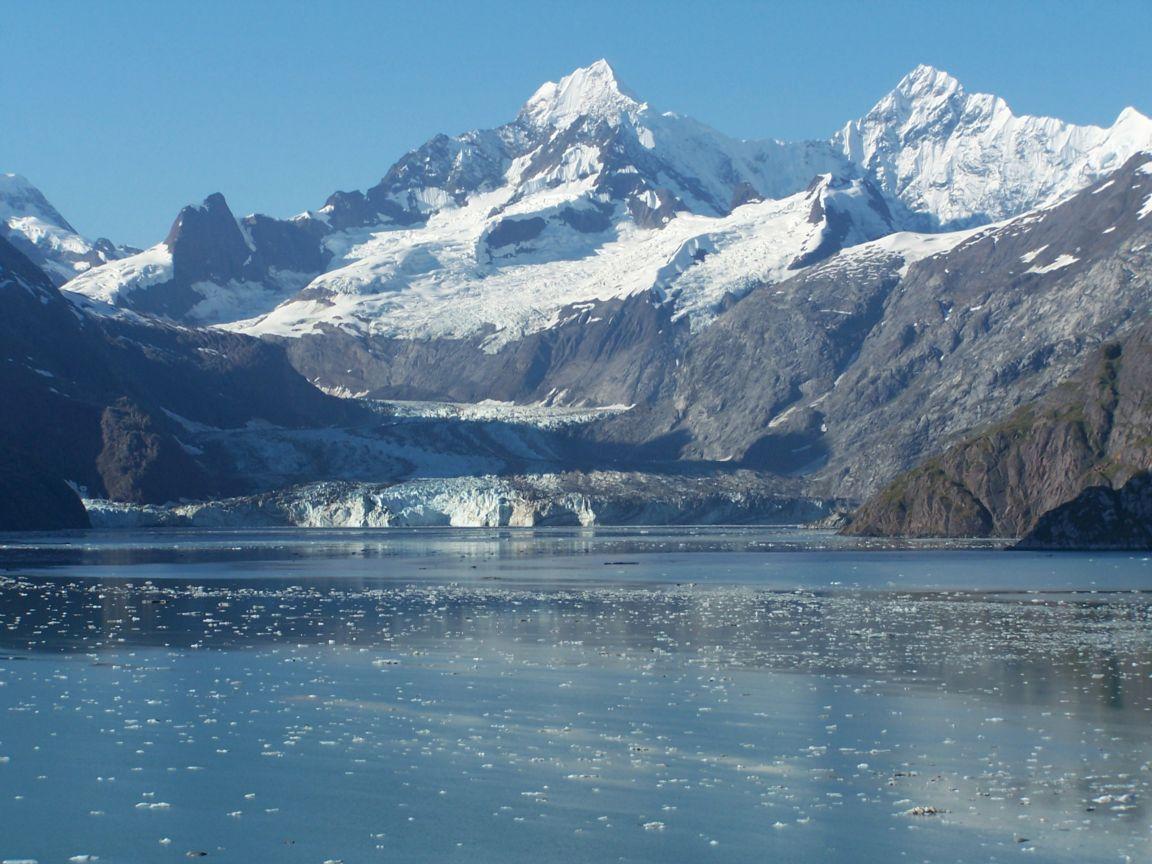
<point x="124" y="111"/>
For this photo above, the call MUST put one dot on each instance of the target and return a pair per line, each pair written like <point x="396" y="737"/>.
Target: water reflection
<point x="570" y="706"/>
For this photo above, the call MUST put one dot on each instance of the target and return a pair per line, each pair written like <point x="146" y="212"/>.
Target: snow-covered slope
<point x="117" y="283"/>
<point x="591" y="194"/>
<point x="956" y="159"/>
<point x="587" y="141"/>
<point x="31" y="224"/>
<point x="444" y="279"/>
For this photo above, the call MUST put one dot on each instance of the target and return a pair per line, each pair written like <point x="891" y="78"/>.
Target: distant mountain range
<point x="821" y="314"/>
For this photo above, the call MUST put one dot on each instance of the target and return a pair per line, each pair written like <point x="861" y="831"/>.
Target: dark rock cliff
<point x="1098" y="518"/>
<point x="1094" y="431"/>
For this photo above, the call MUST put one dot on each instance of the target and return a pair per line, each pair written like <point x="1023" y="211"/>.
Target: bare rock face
<point x="746" y="388"/>
<point x="925" y="503"/>
<point x="1095" y="431"/>
<point x="995" y="323"/>
<point x="1098" y="518"/>
<point x="609" y="352"/>
<point x="872" y="361"/>
<point x="139" y="462"/>
<point x="32" y="498"/>
<point x="206" y="242"/>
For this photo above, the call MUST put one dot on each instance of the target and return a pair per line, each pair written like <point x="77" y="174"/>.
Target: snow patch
<point x="1146" y="209"/>
<point x="1029" y="257"/>
<point x="1060" y="263"/>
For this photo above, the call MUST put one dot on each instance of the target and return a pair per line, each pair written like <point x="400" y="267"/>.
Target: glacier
<point x="488" y="501"/>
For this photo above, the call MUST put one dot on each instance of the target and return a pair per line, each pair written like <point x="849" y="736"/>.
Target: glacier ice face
<point x="487" y="501"/>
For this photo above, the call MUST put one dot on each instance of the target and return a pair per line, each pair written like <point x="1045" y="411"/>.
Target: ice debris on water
<point x="703" y="711"/>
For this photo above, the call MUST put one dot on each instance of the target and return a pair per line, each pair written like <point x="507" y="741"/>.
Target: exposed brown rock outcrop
<point x="1098" y="518"/>
<point x="1093" y="431"/>
<point x="140" y="463"/>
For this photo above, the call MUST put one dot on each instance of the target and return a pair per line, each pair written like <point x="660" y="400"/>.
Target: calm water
<point x="569" y="696"/>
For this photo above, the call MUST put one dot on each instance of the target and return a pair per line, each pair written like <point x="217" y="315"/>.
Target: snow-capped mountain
<point x="584" y="169"/>
<point x="589" y="195"/>
<point x="36" y="228"/>
<point x="955" y="159"/>
<point x="589" y="143"/>
<point x="587" y="214"/>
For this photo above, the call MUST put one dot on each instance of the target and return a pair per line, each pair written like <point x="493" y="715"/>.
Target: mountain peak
<point x="926" y="98"/>
<point x="206" y="242"/>
<point x="1131" y="114"/>
<point x="216" y="203"/>
<point x="14" y="182"/>
<point x="19" y="197"/>
<point x="590" y="91"/>
<point x="928" y="81"/>
<point x="1132" y="119"/>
